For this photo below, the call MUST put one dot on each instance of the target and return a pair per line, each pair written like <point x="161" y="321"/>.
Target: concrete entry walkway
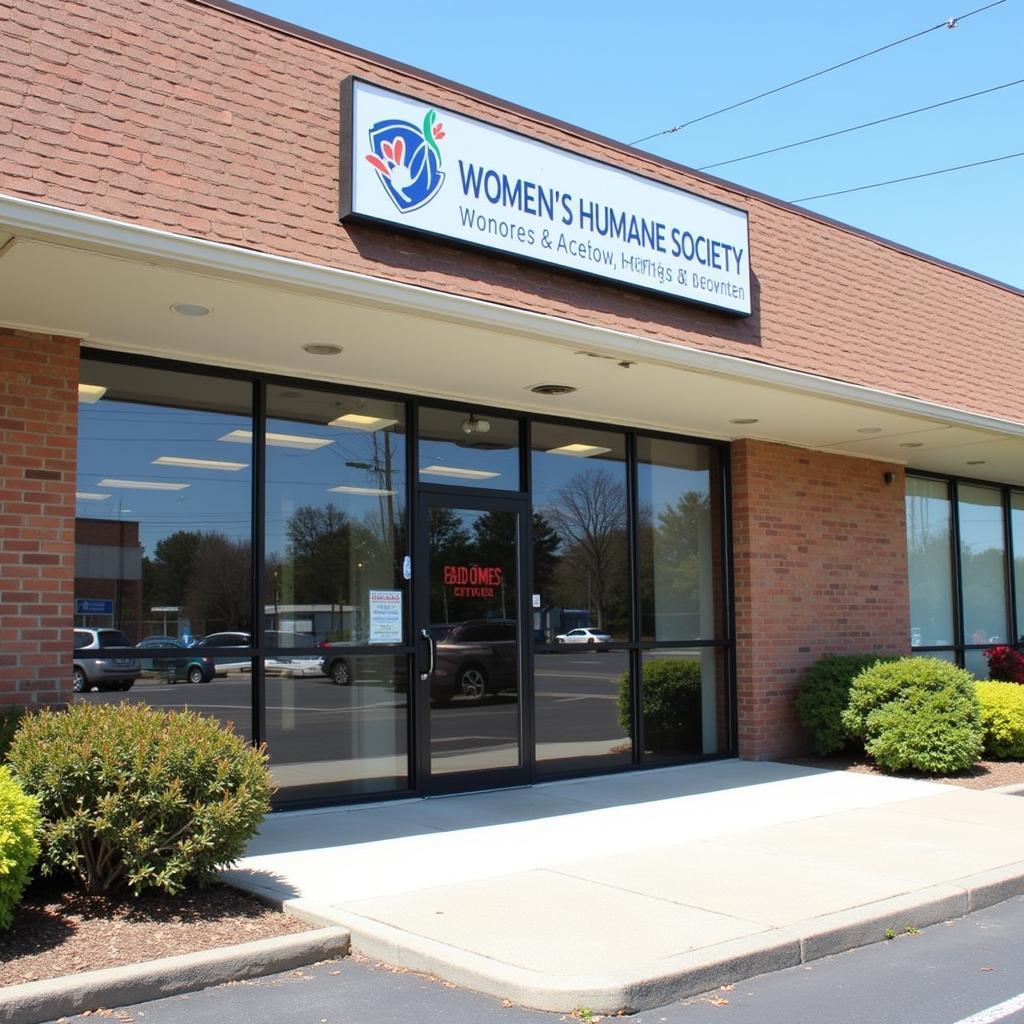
<point x="628" y="891"/>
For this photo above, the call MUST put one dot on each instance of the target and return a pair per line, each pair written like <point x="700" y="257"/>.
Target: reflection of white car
<point x="584" y="635"/>
<point x="293" y="666"/>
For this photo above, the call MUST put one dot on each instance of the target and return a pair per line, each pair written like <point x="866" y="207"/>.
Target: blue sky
<point x="627" y="71"/>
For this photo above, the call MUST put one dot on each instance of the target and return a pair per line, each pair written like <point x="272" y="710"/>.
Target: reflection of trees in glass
<point x="545" y="557"/>
<point x="676" y="556"/>
<point x="206" y="574"/>
<point x="931" y="580"/>
<point x="589" y="515"/>
<point x="331" y="559"/>
<point x="450" y="543"/>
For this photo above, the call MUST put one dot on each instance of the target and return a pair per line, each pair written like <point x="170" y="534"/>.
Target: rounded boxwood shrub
<point x="824" y="694"/>
<point x="1002" y="719"/>
<point x="919" y="713"/>
<point x="671" y="705"/>
<point x="135" y="797"/>
<point x="19" y="849"/>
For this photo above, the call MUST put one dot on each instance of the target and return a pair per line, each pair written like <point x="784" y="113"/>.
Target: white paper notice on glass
<point x="385" y="616"/>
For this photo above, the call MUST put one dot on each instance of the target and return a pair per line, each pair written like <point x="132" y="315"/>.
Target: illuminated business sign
<point x="413" y="165"/>
<point x="472" y="580"/>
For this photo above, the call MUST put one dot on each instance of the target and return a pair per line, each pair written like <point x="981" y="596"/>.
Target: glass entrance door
<point x="470" y="648"/>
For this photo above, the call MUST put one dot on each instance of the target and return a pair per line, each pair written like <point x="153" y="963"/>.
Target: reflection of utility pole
<point x="359" y="600"/>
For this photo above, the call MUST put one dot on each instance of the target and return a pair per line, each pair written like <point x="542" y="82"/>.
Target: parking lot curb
<point x="688" y="974"/>
<point x="48" y="1000"/>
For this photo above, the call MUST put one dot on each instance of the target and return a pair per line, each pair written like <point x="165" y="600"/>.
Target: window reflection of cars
<point x="584" y="635"/>
<point x="191" y="663"/>
<point x="473" y="659"/>
<point x="117" y="671"/>
<point x="161" y="662"/>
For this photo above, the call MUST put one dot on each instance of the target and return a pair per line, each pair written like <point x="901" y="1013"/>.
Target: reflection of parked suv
<point x="118" y="672"/>
<point x="475" y="658"/>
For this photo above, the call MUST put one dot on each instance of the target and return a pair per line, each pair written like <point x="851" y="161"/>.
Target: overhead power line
<point x="858" y="127"/>
<point x="950" y="23"/>
<point x="911" y="177"/>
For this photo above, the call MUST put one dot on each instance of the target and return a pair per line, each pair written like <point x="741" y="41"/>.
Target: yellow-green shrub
<point x="1002" y="719"/>
<point x="19" y="849"/>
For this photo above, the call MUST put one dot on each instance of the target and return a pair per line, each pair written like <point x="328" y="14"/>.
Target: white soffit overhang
<point x="113" y="284"/>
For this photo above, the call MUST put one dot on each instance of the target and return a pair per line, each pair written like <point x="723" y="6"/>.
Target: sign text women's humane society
<point x="434" y="170"/>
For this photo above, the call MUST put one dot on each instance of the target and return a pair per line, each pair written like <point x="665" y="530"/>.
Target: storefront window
<point x="580" y="532"/>
<point x="982" y="564"/>
<point x="163" y="554"/>
<point x="582" y="700"/>
<point x="678" y="521"/>
<point x="1017" y="527"/>
<point x="930" y="565"/>
<point x="335" y="519"/>
<point x="683" y="703"/>
<point x="466" y="449"/>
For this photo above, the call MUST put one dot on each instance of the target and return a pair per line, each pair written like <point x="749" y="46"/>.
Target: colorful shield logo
<point x="407" y="160"/>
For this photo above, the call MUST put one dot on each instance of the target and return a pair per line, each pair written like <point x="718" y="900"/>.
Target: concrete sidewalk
<point x="629" y="891"/>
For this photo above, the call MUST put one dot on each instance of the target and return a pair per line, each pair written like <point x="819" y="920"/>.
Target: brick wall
<point x="172" y="114"/>
<point x="820" y="568"/>
<point x="38" y="439"/>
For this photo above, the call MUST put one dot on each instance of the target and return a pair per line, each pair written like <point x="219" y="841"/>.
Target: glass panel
<point x="163" y="536"/>
<point x="335" y="519"/>
<point x="578" y="699"/>
<point x="580" y="540"/>
<point x="345" y="739"/>
<point x="976" y="662"/>
<point x="930" y="565"/>
<point x="684" y="703"/>
<point x="1017" y="525"/>
<point x="468" y="449"/>
<point x="474" y="622"/>
<point x="680" y="540"/>
<point x="982" y="564"/>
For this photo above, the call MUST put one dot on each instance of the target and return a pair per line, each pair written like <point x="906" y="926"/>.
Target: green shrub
<point x="9" y="721"/>
<point x="919" y="713"/>
<point x="137" y="797"/>
<point x="671" y="705"/>
<point x="824" y="694"/>
<point x="19" y="849"/>
<point x="1002" y="719"/>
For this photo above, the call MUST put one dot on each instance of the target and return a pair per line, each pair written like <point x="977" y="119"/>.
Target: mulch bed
<point x="57" y="932"/>
<point x="983" y="775"/>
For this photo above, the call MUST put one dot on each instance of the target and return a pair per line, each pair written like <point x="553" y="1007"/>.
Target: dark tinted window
<point x="113" y="638"/>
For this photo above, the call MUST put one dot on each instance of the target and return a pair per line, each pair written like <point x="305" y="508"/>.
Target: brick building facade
<point x="186" y="151"/>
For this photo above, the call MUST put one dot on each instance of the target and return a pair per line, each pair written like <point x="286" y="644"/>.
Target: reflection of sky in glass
<point x="367" y="461"/>
<point x="981" y="518"/>
<point x="120" y="441"/>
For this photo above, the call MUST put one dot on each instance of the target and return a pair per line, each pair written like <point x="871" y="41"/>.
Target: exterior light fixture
<point x="191" y="309"/>
<point x="976" y="462"/>
<point x="869" y="430"/>
<point x="745" y="420"/>
<point x="552" y="389"/>
<point x="912" y="444"/>
<point x="89" y="393"/>
<point x="322" y="350"/>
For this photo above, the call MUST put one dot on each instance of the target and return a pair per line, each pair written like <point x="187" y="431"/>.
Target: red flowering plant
<point x="1005" y="664"/>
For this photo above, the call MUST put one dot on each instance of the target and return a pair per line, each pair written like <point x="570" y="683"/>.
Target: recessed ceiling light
<point x="179" y="460"/>
<point x="457" y="471"/>
<point x="90" y="496"/>
<point x="869" y="430"/>
<point x="279" y="440"/>
<point x="745" y="420"/>
<point x="191" y="309"/>
<point x="912" y="444"/>
<point x="357" y="421"/>
<point x="322" y="350"/>
<point x="580" y="451"/>
<point x="89" y="393"/>
<point x="144" y="485"/>
<point x="552" y="389"/>
<point x="976" y="462"/>
<point x="346" y="489"/>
